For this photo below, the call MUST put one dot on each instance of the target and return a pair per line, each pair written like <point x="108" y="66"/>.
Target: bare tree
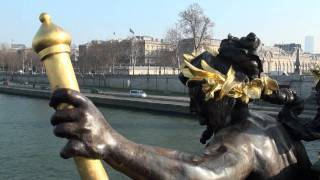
<point x="95" y="57"/>
<point x="165" y="58"/>
<point x="174" y="36"/>
<point x="195" y="24"/>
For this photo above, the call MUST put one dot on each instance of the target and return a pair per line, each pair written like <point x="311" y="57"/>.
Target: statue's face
<point x="248" y="64"/>
<point x="217" y="114"/>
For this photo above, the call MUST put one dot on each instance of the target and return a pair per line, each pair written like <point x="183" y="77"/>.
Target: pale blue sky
<point x="274" y="21"/>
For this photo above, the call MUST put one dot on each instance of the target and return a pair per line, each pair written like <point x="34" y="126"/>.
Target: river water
<point x="30" y="151"/>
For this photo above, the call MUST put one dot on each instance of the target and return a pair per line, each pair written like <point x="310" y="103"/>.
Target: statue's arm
<point x="91" y="136"/>
<point x="315" y="124"/>
<point x="144" y="162"/>
<point x="298" y="128"/>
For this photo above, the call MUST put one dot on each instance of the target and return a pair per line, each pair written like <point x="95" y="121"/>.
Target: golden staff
<point x="53" y="46"/>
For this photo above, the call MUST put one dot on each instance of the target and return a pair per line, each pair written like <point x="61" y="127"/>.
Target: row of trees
<point x="19" y="60"/>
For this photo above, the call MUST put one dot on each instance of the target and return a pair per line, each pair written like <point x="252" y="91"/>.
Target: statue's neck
<point x="239" y="112"/>
<point x="238" y="115"/>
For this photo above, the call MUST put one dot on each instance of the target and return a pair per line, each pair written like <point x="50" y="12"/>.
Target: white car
<point x="137" y="93"/>
<point x="20" y="72"/>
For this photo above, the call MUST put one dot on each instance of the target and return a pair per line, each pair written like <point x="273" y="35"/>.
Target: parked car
<point x="137" y="93"/>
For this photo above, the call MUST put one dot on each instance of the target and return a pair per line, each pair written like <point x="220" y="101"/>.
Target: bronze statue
<point x="245" y="145"/>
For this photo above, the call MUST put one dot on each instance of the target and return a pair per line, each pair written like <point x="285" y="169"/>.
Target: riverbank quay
<point x="114" y="100"/>
<point x="167" y="104"/>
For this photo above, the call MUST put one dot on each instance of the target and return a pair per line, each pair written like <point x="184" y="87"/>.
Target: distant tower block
<point x="309" y="44"/>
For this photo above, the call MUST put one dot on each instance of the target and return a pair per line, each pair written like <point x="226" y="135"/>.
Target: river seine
<point x="29" y="150"/>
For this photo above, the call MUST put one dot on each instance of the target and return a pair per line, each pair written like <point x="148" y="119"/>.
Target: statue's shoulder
<point x="261" y="120"/>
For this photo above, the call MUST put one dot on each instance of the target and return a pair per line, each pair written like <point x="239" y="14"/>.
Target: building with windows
<point x="287" y="59"/>
<point x="187" y="46"/>
<point x="150" y="54"/>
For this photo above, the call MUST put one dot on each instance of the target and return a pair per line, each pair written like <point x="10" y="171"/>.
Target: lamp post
<point x="133" y="54"/>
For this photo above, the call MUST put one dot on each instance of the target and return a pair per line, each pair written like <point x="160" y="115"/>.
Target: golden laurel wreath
<point x="227" y="85"/>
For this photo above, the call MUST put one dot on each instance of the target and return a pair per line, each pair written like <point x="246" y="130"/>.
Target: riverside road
<point x="162" y="103"/>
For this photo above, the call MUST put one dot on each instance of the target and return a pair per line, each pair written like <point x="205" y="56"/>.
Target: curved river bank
<point x="30" y="151"/>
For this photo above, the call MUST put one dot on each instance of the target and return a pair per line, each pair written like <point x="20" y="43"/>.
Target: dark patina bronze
<point x="239" y="143"/>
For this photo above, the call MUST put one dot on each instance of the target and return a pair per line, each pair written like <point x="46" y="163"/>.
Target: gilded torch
<point x="52" y="44"/>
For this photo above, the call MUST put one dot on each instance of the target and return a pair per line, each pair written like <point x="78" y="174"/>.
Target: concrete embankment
<point x="168" y="104"/>
<point x="162" y="105"/>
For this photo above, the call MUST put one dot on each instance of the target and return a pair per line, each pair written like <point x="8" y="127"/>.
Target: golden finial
<point x="45" y="18"/>
<point x="50" y="38"/>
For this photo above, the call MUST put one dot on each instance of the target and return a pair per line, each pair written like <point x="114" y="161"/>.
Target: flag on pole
<point x="131" y="31"/>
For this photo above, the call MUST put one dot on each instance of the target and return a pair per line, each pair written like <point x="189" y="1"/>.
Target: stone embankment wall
<point x="162" y="83"/>
<point x="303" y="85"/>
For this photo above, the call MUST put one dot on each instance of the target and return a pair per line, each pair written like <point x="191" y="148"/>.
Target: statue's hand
<point x="283" y="96"/>
<point x="83" y="125"/>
